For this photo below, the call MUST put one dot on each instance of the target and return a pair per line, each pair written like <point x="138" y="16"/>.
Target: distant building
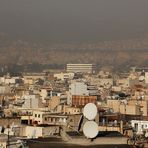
<point x="64" y="76"/>
<point x="84" y="68"/>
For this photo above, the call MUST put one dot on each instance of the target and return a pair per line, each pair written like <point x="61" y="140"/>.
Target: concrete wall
<point x="54" y="102"/>
<point x="31" y="101"/>
<point x="36" y="131"/>
<point x="78" y="88"/>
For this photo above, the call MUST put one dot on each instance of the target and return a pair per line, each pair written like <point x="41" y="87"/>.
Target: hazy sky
<point x="73" y="20"/>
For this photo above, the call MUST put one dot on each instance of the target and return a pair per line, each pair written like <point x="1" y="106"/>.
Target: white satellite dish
<point x="90" y="111"/>
<point x="90" y="129"/>
<point x="141" y="78"/>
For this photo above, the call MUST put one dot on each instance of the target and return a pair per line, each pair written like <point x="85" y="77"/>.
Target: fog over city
<point x="73" y="20"/>
<point x="73" y="73"/>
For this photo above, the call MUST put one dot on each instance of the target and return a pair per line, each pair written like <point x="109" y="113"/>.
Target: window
<point x="45" y="119"/>
<point x="38" y="115"/>
<point x="35" y="115"/>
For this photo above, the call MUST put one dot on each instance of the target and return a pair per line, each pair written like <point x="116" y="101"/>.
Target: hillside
<point x="117" y="54"/>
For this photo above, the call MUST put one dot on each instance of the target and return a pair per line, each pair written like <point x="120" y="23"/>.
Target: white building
<point x="81" y="89"/>
<point x="139" y="125"/>
<point x="40" y="131"/>
<point x="31" y="101"/>
<point x="78" y="88"/>
<point x="84" y="68"/>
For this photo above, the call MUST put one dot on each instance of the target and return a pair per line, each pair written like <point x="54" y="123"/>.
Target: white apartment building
<point x="31" y="101"/>
<point x="78" y="88"/>
<point x="84" y="68"/>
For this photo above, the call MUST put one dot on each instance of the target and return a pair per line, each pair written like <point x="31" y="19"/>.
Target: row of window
<point x="54" y="119"/>
<point x="37" y="115"/>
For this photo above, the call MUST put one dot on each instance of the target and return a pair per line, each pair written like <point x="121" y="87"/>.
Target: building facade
<point x="84" y="68"/>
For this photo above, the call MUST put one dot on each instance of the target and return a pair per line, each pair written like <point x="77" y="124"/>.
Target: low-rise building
<point x="71" y="110"/>
<point x="64" y="76"/>
<point x="45" y="117"/>
<point x="39" y="131"/>
<point x="139" y="125"/>
<point x="124" y="107"/>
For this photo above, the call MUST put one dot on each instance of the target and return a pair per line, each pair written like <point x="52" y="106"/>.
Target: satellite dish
<point x="90" y="111"/>
<point x="141" y="78"/>
<point x="90" y="129"/>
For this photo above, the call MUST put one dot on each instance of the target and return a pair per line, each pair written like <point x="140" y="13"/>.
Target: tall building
<point x="84" y="68"/>
<point x="80" y="94"/>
